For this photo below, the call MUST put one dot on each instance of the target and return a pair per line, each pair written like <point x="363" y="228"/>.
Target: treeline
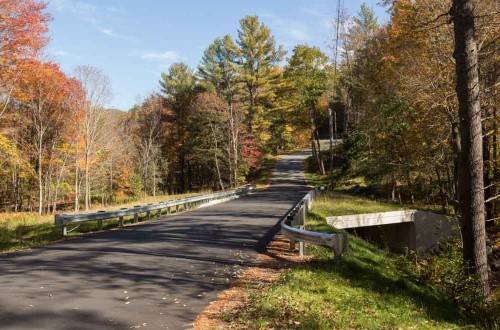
<point x="397" y="86"/>
<point x="420" y="96"/>
<point x="205" y="128"/>
<point x="212" y="126"/>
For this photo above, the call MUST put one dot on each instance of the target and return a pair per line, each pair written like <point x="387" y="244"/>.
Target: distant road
<point x="160" y="274"/>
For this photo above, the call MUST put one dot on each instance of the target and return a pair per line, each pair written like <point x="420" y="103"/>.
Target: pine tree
<point x="178" y="88"/>
<point x="259" y="57"/>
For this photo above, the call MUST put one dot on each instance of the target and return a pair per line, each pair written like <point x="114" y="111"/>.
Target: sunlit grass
<point x="337" y="204"/>
<point x="371" y="289"/>
<point x="21" y="230"/>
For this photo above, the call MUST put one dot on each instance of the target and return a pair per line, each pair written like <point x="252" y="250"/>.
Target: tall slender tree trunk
<point x="235" y="141"/>
<point x="77" y="180"/>
<point x="40" y="174"/>
<point x="87" y="181"/>
<point x="216" y="158"/>
<point x="331" y="127"/>
<point x="471" y="158"/>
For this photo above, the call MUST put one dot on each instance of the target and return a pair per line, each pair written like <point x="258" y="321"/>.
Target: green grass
<point x="337" y="204"/>
<point x="371" y="289"/>
<point x="24" y="230"/>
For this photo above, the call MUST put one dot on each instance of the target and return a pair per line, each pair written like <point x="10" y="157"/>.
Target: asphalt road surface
<point x="160" y="274"/>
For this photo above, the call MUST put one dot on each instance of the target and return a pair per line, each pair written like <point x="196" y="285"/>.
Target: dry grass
<point x="22" y="230"/>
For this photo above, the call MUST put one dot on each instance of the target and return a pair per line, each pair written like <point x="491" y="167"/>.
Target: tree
<point x="97" y="87"/>
<point x="471" y="185"/>
<point x="208" y="125"/>
<point x="219" y="68"/>
<point x="178" y="87"/>
<point x="149" y="129"/>
<point x="44" y="93"/>
<point x="306" y="73"/>
<point x="259" y="57"/>
<point x="23" y="28"/>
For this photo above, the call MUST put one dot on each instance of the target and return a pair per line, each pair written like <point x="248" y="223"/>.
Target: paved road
<point x="160" y="274"/>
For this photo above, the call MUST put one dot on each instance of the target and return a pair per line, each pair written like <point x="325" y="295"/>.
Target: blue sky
<point x="133" y="41"/>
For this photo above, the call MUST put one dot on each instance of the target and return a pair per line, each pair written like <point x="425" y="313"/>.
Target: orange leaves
<point x="24" y="26"/>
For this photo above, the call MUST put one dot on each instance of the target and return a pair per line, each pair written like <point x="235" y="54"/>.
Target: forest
<point x="206" y="127"/>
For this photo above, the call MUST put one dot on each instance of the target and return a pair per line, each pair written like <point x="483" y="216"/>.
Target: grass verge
<point x="24" y="230"/>
<point x="371" y="289"/>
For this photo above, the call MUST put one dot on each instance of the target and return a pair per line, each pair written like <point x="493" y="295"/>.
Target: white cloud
<point x="93" y="15"/>
<point x="168" y="55"/>
<point x="109" y="32"/>
<point x="296" y="30"/>
<point x="112" y="34"/>
<point x="61" y="53"/>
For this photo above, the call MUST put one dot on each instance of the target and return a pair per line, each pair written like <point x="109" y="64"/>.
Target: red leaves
<point x="24" y="26"/>
<point x="250" y="150"/>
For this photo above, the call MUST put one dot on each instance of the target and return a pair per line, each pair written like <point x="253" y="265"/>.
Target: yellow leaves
<point x="265" y="136"/>
<point x="11" y="156"/>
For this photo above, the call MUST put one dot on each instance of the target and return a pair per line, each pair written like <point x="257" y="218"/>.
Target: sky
<point x="134" y="41"/>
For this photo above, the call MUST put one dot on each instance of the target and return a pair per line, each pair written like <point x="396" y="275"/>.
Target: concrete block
<point x="416" y="230"/>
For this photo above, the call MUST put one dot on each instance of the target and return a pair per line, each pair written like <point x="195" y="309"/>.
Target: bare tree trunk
<point x="77" y="183"/>
<point x="87" y="181"/>
<point x="40" y="185"/>
<point x="234" y="140"/>
<point x="330" y="121"/>
<point x="314" y="139"/>
<point x="471" y="158"/>
<point x="154" y="178"/>
<point x="216" y="146"/>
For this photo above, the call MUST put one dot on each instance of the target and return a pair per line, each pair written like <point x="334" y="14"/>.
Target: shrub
<point x="446" y="271"/>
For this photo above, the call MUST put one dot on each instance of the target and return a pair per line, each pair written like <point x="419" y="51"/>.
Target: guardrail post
<point x="292" y="244"/>
<point x="339" y="245"/>
<point x="177" y="209"/>
<point x="136" y="217"/>
<point x="168" y="211"/>
<point x="99" y="224"/>
<point x="64" y="231"/>
<point x="301" y="245"/>
<point x="159" y="213"/>
<point x="148" y="215"/>
<point x="120" y="222"/>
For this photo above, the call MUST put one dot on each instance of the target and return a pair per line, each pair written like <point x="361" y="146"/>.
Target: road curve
<point x="159" y="274"/>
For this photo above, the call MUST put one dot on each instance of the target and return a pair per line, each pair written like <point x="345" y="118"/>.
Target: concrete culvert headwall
<point x="416" y="230"/>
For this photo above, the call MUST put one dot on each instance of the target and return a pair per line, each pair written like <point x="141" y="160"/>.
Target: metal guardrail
<point x="293" y="224"/>
<point x="186" y="203"/>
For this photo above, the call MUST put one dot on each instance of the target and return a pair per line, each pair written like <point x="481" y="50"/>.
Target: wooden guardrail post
<point x="120" y="222"/>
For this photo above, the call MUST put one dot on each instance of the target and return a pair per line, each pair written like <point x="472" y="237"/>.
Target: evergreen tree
<point x="178" y="88"/>
<point x="259" y="57"/>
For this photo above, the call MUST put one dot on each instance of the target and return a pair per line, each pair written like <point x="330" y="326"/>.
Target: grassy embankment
<point x="371" y="289"/>
<point x="23" y="230"/>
